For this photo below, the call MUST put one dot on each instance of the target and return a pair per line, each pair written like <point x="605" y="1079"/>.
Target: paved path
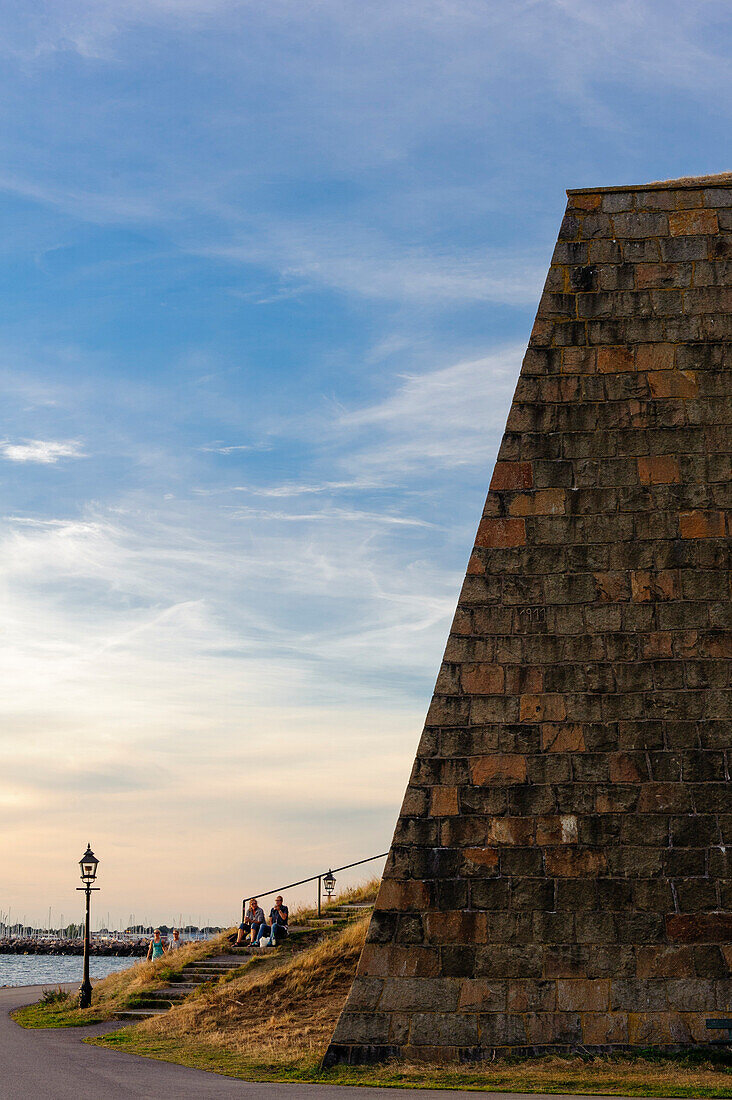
<point x="57" y="1065"/>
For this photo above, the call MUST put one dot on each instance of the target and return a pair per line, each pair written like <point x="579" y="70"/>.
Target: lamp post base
<point x="85" y="994"/>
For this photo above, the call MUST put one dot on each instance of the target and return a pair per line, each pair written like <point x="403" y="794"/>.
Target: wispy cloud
<point x="295" y="489"/>
<point x="43" y="451"/>
<point x="368" y="263"/>
<point x="330" y="515"/>
<point x="231" y="448"/>
<point x="446" y="418"/>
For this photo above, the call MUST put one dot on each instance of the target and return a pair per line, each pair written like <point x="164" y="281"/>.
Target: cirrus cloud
<point x="43" y="451"/>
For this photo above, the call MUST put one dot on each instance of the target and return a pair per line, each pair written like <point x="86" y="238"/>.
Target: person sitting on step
<point x="277" y="930"/>
<point x="254" y="919"/>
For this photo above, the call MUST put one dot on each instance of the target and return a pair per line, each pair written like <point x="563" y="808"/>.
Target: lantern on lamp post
<point x="88" y="864"/>
<point x="329" y="882"/>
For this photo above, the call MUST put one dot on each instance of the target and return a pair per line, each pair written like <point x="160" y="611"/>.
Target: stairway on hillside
<point x="156" y="1002"/>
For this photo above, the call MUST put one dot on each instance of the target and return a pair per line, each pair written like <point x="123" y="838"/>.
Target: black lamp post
<point x="88" y="864"/>
<point x="329" y="882"/>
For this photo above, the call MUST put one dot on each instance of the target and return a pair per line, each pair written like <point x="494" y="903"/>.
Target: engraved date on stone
<point x="532" y="614"/>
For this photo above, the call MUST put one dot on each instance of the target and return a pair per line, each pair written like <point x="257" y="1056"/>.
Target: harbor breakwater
<point x="28" y="946"/>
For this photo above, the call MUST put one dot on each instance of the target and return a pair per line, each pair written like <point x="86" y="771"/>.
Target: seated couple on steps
<point x="254" y="930"/>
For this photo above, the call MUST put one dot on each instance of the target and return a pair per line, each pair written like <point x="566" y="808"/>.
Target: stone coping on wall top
<point x="688" y="183"/>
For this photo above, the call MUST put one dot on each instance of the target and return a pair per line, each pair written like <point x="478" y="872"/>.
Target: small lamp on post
<point x="329" y="882"/>
<point x="88" y="864"/>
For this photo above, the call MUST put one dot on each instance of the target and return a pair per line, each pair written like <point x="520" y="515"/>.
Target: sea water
<point x="51" y="969"/>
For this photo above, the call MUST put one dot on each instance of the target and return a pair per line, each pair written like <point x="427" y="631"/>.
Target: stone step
<point x="208" y="971"/>
<point x="139" y="1013"/>
<point x="175" y="993"/>
<point x="221" y="968"/>
<point x="199" y="979"/>
<point x="349" y="912"/>
<point x="211" y="969"/>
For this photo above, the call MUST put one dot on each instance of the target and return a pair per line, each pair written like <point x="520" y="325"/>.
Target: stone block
<point x="509" y="961"/>
<point x="552" y="928"/>
<point x="583" y="994"/>
<point x="512" y="475"/>
<point x="482" y="679"/>
<point x="498" y="768"/>
<point x="561" y="737"/>
<point x="403" y="895"/>
<point x="701" y="525"/>
<point x="658" y="470"/>
<point x="480" y="861"/>
<point x="672" y="383"/>
<point x="530" y="894"/>
<point x="490" y="894"/>
<point x="542" y="708"/>
<point x="518" y="831"/>
<point x="602" y="1029"/>
<point x="637" y="225"/>
<point x="557" y="829"/>
<point x="540" y="502"/>
<point x="566" y="962"/>
<point x="700" y="928"/>
<point x="443" y="1029"/>
<point x="364" y="1028"/>
<point x="688" y="223"/>
<point x="527" y="995"/>
<point x="443" y="801"/>
<point x="455" y="927"/>
<point x="482" y="995"/>
<point x="420" y="994"/>
<point x="501" y="533"/>
<point x="574" y="862"/>
<point x="462" y="830"/>
<point x="382" y="961"/>
<point x="458" y="960"/>
<point x="613" y="359"/>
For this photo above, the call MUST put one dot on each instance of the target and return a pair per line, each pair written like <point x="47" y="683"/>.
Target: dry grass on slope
<point x="277" y="1011"/>
<point x="114" y="990"/>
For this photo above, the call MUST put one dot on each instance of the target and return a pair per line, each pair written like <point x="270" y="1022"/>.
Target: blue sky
<point x="267" y="275"/>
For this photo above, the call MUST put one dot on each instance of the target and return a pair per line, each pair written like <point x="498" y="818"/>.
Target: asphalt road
<point x="57" y="1065"/>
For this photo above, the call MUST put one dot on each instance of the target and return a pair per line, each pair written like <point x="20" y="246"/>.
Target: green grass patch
<point x="653" y="1074"/>
<point x="57" y="1014"/>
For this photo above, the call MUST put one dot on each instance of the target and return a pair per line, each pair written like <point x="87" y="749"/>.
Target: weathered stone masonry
<point x="561" y="871"/>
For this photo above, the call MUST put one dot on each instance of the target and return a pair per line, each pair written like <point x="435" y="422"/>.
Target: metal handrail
<point x="302" y="881"/>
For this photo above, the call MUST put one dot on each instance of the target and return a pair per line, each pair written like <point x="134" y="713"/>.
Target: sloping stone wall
<point x="561" y="871"/>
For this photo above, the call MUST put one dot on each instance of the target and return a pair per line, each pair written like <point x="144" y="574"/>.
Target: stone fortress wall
<point x="561" y="871"/>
